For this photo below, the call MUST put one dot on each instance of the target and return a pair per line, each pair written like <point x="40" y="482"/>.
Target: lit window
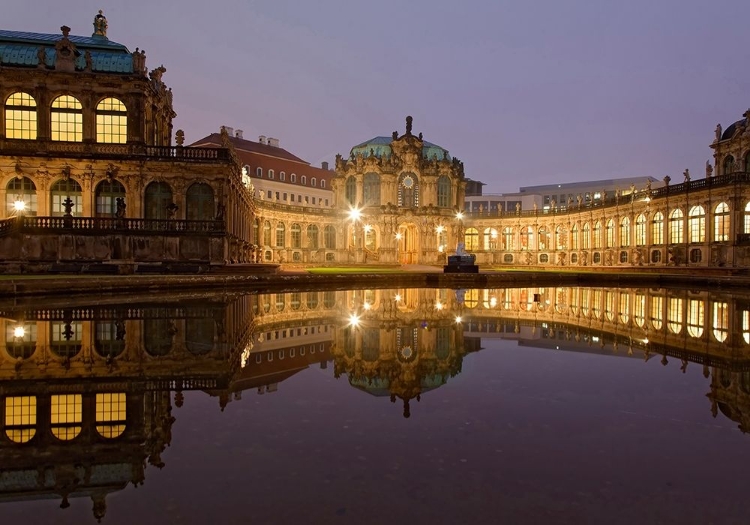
<point x="110" y="414"/>
<point x="20" y="418"/>
<point x="676" y="227"/>
<point x="639" y="310"/>
<point x="657" y="229"/>
<point x="625" y="232"/>
<point x="574" y="238"/>
<point x="598" y="234"/>
<point x="111" y="122"/>
<point x="20" y="190"/>
<point x="695" y="318"/>
<point x="657" y="312"/>
<point x="675" y="315"/>
<point x="20" y="117"/>
<point x="721" y="321"/>
<point x="610" y="234"/>
<point x="66" y="118"/>
<point x="65" y="417"/>
<point x="640" y="230"/>
<point x="471" y="239"/>
<point x="721" y="222"/>
<point x="697" y="224"/>
<point x="61" y="191"/>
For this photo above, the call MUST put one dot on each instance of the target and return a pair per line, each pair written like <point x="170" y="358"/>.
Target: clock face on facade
<point x="408" y="182"/>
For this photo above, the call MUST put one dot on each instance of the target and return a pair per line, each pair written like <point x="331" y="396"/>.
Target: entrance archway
<point x="408" y="243"/>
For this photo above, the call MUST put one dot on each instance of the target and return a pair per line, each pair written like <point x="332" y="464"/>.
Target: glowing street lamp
<point x="354" y="320"/>
<point x="355" y="214"/>
<point x="458" y="319"/>
<point x="19" y="206"/>
<point x="19" y="332"/>
<point x="397" y="297"/>
<point x="459" y="215"/>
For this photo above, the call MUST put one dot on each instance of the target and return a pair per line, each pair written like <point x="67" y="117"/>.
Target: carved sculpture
<point x="100" y="24"/>
<point x="717" y="131"/>
<point x="709" y="169"/>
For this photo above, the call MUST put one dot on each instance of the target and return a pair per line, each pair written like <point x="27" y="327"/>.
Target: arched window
<point x="270" y="174"/>
<point x="657" y="312"/>
<point x="256" y="230"/>
<point x="728" y="165"/>
<point x="157" y="198"/>
<point x="471" y="239"/>
<point x="111" y="121"/>
<point x="60" y="192"/>
<point x="20" y="197"/>
<point x="329" y="237"/>
<point x="66" y="119"/>
<point x="370" y="238"/>
<point x="293" y="178"/>
<point x="312" y="237"/>
<point x="322" y="183"/>
<point x="20" y="340"/>
<point x="282" y="176"/>
<point x="625" y="232"/>
<point x="20" y="116"/>
<point x="675" y="315"/>
<point x="280" y="234"/>
<point x="408" y="191"/>
<point x="351" y="190"/>
<point x="640" y="230"/>
<point x="267" y="233"/>
<point x="111" y="414"/>
<point x="313" y="182"/>
<point x="158" y="336"/>
<point x="199" y="335"/>
<point x="444" y="192"/>
<point x="109" y="338"/>
<point x="66" y="338"/>
<point x="575" y="241"/>
<point x="296" y="236"/>
<point x="544" y="239"/>
<point x="610" y="234"/>
<point x="721" y="321"/>
<point x="721" y="222"/>
<point x="259" y="172"/>
<point x="676" y="227"/>
<point x="697" y="221"/>
<point x="20" y="418"/>
<point x="508" y="239"/>
<point x="657" y="228"/>
<point x="66" y="415"/>
<point x="561" y="241"/>
<point x="597" y="235"/>
<point x="695" y="318"/>
<point x="527" y="238"/>
<point x="199" y="202"/>
<point x="371" y="188"/>
<point x="586" y="238"/>
<point x="107" y="193"/>
<point x="303" y="180"/>
<point x="490" y="239"/>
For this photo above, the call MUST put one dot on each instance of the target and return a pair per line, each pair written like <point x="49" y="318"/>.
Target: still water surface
<point x="556" y="405"/>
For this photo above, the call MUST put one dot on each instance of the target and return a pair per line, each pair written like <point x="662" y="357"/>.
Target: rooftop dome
<point x="381" y="147"/>
<point x="729" y="132"/>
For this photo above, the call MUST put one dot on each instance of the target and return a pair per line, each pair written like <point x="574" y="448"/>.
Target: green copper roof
<point x="381" y="146"/>
<point x="22" y="49"/>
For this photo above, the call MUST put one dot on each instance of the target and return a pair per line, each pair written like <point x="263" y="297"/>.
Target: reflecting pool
<point x="519" y="405"/>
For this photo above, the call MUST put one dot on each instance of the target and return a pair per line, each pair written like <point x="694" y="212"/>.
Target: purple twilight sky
<point x="524" y="93"/>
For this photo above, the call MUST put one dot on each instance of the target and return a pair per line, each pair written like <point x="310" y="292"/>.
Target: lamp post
<point x="355" y="214"/>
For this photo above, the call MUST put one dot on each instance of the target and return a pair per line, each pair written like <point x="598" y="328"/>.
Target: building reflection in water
<point x="87" y="392"/>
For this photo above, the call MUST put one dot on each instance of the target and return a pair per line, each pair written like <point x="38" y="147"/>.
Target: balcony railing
<point x="111" y="225"/>
<point x="92" y="149"/>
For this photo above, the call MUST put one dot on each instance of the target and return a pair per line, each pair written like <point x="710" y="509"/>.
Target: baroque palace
<point x="91" y="180"/>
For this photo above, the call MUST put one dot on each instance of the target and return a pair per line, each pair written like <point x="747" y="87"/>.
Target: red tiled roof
<point x="214" y="139"/>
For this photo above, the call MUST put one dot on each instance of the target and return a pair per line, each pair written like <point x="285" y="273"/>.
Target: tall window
<point x="312" y="237"/>
<point x="675" y="315"/>
<point x="639" y="310"/>
<point x="471" y="239"/>
<point x="574" y="238"/>
<point x="544" y="239"/>
<point x="444" y="192"/>
<point x="490" y="238"/>
<point x="270" y="174"/>
<point x="66" y="416"/>
<point x="624" y="307"/>
<point x="598" y="234"/>
<point x="508" y="239"/>
<point x="267" y="233"/>
<point x="66" y="338"/>
<point x="282" y="176"/>
<point x="20" y="116"/>
<point x="111" y="121"/>
<point x="329" y="237"/>
<point x="62" y="190"/>
<point x="157" y="198"/>
<point x="351" y="190"/>
<point x="199" y="202"/>
<point x="20" y="191"/>
<point x="66" y="119"/>
<point x="107" y="193"/>
<point x="695" y="317"/>
<point x="408" y="191"/>
<point x="280" y="234"/>
<point x="586" y="238"/>
<point x="676" y="227"/>
<point x="371" y="189"/>
<point x="527" y="237"/>
<point x="111" y="414"/>
<point x="561" y="238"/>
<point x="296" y="236"/>
<point x="657" y="312"/>
<point x="657" y="228"/>
<point x="721" y="222"/>
<point x="640" y="230"/>
<point x="109" y="338"/>
<point x="625" y="232"/>
<point x="746" y="221"/>
<point x="697" y="221"/>
<point x="728" y="165"/>
<point x="610" y="234"/>
<point x="20" y="418"/>
<point x="721" y="321"/>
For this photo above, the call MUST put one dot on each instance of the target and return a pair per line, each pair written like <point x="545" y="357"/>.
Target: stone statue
<point x="172" y="210"/>
<point x="120" y="211"/>
<point x="89" y="61"/>
<point x="518" y="207"/>
<point x="179" y="137"/>
<point x="709" y="169"/>
<point x="100" y="24"/>
<point x="718" y="132"/>
<point x="394" y="136"/>
<point x="686" y="174"/>
<point x="41" y="55"/>
<point x="667" y="180"/>
<point x="68" y="206"/>
<point x="220" y="212"/>
<point x="408" y="125"/>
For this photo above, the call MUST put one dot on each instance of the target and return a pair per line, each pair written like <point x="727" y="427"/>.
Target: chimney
<point x="273" y="142"/>
<point x="262" y="139"/>
<point x="324" y="165"/>
<point x="238" y="134"/>
<point x="230" y="131"/>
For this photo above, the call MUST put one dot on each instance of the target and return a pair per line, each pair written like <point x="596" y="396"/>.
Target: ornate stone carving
<point x="100" y="24"/>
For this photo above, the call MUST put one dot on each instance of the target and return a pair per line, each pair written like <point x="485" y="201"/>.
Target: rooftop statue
<point x="100" y="25"/>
